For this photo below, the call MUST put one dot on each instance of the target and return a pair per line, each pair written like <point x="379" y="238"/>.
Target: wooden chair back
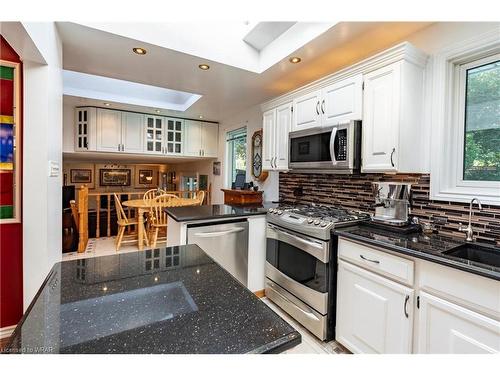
<point x="152" y="194"/>
<point x="120" y="212"/>
<point x="200" y="197"/>
<point x="158" y="214"/>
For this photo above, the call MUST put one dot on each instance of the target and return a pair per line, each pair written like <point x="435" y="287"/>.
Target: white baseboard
<point x="6" y="331"/>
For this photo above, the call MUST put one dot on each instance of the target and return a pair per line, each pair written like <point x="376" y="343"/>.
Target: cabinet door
<point x="154" y="134"/>
<point x="342" y="101"/>
<point x="381" y="119"/>
<point x="445" y="327"/>
<point x="283" y="124"/>
<point x="307" y="111"/>
<point x="210" y="139"/>
<point x="268" y="139"/>
<point x="374" y="314"/>
<point x="85" y="129"/>
<point x="133" y="132"/>
<point x="175" y="136"/>
<point x="192" y="141"/>
<point x="109" y="130"/>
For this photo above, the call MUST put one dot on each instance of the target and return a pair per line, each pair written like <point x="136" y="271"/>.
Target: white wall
<point x="42" y="143"/>
<point x="252" y="119"/>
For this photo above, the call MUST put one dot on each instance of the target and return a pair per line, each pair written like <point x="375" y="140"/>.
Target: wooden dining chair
<point x="158" y="216"/>
<point x="123" y="222"/>
<point x="152" y="194"/>
<point x="200" y="197"/>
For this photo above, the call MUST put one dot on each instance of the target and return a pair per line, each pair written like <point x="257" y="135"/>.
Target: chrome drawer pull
<point x="369" y="260"/>
<point x="406" y="303"/>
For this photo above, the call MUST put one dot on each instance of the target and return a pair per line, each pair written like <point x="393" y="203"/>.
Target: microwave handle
<point x="332" y="145"/>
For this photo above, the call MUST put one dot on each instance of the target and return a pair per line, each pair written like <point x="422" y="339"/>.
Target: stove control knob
<point x="316" y="222"/>
<point x="279" y="212"/>
<point x="310" y="221"/>
<point x="323" y="224"/>
<point x="271" y="210"/>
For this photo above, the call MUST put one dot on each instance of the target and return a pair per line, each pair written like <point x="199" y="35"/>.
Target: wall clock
<point x="257" y="171"/>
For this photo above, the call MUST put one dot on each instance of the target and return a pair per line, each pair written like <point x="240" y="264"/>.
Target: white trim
<point x="444" y="138"/>
<point x="6" y="332"/>
<point x="402" y="51"/>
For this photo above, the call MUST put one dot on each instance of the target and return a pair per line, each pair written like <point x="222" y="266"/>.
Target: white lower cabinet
<point x="374" y="314"/>
<point x="445" y="327"/>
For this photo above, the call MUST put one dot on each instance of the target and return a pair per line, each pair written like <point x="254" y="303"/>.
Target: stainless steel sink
<point x="476" y="253"/>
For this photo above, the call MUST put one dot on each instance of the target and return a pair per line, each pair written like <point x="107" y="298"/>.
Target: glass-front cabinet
<point x="85" y="128"/>
<point x="174" y="136"/>
<point x="155" y="134"/>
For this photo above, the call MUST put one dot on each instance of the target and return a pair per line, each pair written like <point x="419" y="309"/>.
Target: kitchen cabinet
<point x="342" y="101"/>
<point x="109" y="130"/>
<point x="155" y="134"/>
<point x="276" y="126"/>
<point x="85" y="129"/>
<point x="175" y="136"/>
<point x="132" y="132"/>
<point x="392" y="105"/>
<point x="374" y="314"/>
<point x="201" y="139"/>
<point x="307" y="111"/>
<point x="447" y="328"/>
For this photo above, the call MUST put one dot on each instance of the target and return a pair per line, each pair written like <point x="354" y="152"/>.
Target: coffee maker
<point x="392" y="203"/>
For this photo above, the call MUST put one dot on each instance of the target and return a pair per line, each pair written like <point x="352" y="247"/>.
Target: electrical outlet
<point x="439" y="220"/>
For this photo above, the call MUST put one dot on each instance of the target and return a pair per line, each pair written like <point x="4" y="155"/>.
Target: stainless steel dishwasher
<point x="226" y="242"/>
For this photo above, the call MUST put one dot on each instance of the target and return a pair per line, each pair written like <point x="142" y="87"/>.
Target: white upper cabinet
<point x="175" y="136"/>
<point x="374" y="314"/>
<point x="192" y="134"/>
<point x="342" y="101"/>
<point x="109" y="130"/>
<point x="392" y="113"/>
<point x="85" y="129"/>
<point x="210" y="139"/>
<point x="268" y="136"/>
<point x="307" y="111"/>
<point x="132" y="132"/>
<point x="447" y="328"/>
<point x="155" y="134"/>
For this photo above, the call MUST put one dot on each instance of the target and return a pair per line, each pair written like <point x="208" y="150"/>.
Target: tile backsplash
<point x="355" y="192"/>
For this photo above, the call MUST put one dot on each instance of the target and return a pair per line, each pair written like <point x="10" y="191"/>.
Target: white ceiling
<point x="226" y="90"/>
<point x="263" y="33"/>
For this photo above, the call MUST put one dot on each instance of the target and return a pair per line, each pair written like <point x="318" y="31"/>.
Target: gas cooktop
<point x="314" y="220"/>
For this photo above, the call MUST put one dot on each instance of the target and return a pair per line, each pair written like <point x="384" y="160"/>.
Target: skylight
<point x="116" y="90"/>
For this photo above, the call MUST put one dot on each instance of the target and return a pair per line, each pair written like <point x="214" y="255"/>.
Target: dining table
<point x="144" y="205"/>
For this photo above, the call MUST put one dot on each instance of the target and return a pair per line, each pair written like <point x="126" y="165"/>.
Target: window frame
<point x="448" y="121"/>
<point x="16" y="219"/>
<point x="229" y="153"/>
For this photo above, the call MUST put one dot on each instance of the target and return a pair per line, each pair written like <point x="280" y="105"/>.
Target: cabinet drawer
<point x="378" y="261"/>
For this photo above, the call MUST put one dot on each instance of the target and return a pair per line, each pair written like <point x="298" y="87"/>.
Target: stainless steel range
<point x="301" y="262"/>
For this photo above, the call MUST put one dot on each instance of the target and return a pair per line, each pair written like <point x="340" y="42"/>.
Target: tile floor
<point x="310" y="344"/>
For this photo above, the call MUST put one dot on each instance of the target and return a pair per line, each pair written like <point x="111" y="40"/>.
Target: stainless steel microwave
<point x="332" y="149"/>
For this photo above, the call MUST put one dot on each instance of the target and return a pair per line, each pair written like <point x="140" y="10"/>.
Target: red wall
<point x="11" y="237"/>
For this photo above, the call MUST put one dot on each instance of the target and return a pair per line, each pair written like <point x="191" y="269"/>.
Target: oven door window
<point x="298" y="265"/>
<point x="310" y="148"/>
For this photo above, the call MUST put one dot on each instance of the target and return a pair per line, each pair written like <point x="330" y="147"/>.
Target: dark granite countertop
<point x="420" y="245"/>
<point x="168" y="300"/>
<point x="216" y="211"/>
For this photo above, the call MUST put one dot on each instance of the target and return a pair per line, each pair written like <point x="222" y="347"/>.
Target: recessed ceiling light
<point x="295" y="60"/>
<point x="203" y="66"/>
<point x="200" y="116"/>
<point x="157" y="111"/>
<point x="107" y="104"/>
<point x="139" y="50"/>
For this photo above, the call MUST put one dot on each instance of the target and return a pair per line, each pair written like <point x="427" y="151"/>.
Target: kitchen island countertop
<point x="216" y="211"/>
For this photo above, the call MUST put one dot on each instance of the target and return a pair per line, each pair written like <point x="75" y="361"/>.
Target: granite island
<point x="166" y="300"/>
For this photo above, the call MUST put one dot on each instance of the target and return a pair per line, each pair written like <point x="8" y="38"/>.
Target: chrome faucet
<point x="468" y="229"/>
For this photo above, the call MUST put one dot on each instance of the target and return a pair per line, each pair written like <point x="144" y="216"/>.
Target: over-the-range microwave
<point x="329" y="149"/>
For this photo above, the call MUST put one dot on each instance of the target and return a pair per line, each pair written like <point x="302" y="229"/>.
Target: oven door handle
<point x="308" y="313"/>
<point x="332" y="145"/>
<point x="317" y="250"/>
<point x="218" y="234"/>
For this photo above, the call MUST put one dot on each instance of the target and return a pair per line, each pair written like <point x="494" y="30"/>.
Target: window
<point x="236" y="154"/>
<point x="465" y="126"/>
<point x="481" y="161"/>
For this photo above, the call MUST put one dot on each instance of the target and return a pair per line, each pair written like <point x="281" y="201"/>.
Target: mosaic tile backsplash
<point x="355" y="192"/>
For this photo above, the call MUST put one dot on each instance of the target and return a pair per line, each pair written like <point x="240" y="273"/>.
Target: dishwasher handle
<point x="218" y="234"/>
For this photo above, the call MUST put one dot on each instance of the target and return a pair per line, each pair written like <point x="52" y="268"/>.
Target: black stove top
<point x="323" y="212"/>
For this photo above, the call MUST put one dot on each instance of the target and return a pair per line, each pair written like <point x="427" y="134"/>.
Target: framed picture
<point x="114" y="177"/>
<point x="216" y="170"/>
<point x="80" y="176"/>
<point x="146" y="176"/>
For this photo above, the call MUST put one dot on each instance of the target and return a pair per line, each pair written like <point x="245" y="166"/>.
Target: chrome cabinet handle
<point x="407" y="298"/>
<point x="219" y="234"/>
<point x="369" y="260"/>
<point x="317" y="107"/>
<point x="392" y="153"/>
<point x="275" y="165"/>
<point x="308" y="313"/>
<point x="118" y="147"/>
<point x="323" y="106"/>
